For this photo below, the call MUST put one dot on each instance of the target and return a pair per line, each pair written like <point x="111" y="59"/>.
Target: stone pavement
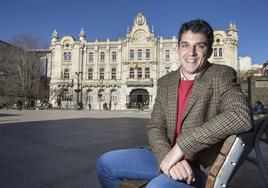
<point x="58" y="149"/>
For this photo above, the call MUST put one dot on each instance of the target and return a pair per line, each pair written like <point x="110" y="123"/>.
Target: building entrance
<point x="139" y="98"/>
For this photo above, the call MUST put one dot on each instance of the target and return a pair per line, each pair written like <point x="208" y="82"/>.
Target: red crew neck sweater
<point x="184" y="91"/>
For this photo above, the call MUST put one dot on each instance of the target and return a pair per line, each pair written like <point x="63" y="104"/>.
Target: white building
<point x="121" y="73"/>
<point x="244" y="64"/>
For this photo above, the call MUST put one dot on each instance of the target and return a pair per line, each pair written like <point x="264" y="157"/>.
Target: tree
<point x="22" y="67"/>
<point x="7" y="75"/>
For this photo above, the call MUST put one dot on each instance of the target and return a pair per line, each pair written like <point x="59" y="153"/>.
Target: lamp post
<point x="78" y="90"/>
<point x="100" y="99"/>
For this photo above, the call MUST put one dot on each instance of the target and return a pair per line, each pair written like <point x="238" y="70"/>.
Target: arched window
<point x="113" y="96"/>
<point x="131" y="72"/>
<point x="147" y="72"/>
<point x="220" y="52"/>
<point x="67" y="56"/>
<point x="215" y="52"/>
<point x="89" y="96"/>
<point x="101" y="95"/>
<point x="66" y="74"/>
<point x="66" y="96"/>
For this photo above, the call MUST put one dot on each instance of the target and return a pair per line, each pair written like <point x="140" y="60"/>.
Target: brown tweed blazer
<point x="216" y="109"/>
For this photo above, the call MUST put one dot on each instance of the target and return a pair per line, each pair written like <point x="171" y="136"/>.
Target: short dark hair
<point x="198" y="26"/>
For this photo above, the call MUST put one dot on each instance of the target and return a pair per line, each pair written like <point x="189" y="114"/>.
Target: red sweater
<point x="184" y="91"/>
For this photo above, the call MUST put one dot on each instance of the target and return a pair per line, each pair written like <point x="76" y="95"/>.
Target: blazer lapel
<point x="173" y="100"/>
<point x="199" y="86"/>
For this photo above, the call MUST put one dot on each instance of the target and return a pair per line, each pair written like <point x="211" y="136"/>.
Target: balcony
<point x="98" y="83"/>
<point x="142" y="82"/>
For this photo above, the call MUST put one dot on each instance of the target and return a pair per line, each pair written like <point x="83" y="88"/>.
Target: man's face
<point x="193" y="52"/>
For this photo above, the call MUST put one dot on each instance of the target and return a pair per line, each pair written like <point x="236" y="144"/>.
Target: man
<point x="196" y="108"/>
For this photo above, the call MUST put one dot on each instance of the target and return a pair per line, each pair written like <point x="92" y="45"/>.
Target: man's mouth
<point x="191" y="60"/>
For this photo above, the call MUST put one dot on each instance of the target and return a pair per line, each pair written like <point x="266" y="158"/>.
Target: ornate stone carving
<point x="140" y="19"/>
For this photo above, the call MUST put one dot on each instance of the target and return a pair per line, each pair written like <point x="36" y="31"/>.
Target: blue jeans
<point x="114" y="166"/>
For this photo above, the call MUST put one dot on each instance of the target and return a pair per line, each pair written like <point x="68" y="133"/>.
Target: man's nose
<point x="192" y="50"/>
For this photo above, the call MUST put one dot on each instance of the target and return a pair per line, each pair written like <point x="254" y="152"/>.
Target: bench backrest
<point x="233" y="152"/>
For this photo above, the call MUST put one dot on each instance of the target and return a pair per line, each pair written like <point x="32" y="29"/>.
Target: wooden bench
<point x="234" y="151"/>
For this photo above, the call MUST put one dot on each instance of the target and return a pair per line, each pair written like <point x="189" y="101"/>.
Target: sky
<point x="102" y="19"/>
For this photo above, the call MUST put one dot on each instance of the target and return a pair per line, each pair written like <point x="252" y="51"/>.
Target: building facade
<point x="121" y="74"/>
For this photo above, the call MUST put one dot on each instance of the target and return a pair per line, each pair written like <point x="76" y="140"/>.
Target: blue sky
<point x="104" y="19"/>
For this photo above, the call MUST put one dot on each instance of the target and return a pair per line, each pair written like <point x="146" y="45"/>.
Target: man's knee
<point x="164" y="181"/>
<point x="103" y="164"/>
<point x="156" y="183"/>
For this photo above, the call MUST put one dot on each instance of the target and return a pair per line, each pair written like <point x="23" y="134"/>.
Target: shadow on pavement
<point x="62" y="153"/>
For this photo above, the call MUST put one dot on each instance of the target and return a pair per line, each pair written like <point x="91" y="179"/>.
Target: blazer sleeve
<point x="157" y="128"/>
<point x="235" y="117"/>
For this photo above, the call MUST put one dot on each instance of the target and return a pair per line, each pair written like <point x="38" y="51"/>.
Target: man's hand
<point x="182" y="171"/>
<point x="173" y="156"/>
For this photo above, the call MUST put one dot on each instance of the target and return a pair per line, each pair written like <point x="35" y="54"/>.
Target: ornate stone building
<point x="120" y="74"/>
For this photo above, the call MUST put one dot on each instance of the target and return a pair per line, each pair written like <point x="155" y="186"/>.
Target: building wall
<point x="244" y="64"/>
<point x="258" y="89"/>
<point x="86" y="60"/>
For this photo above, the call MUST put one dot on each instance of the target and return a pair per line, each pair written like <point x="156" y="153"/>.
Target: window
<point x="66" y="74"/>
<point x="89" y="96"/>
<point x="90" y="56"/>
<point x="66" y="95"/>
<point x="148" y="54"/>
<point x="113" y="97"/>
<point x="101" y="73"/>
<point x="113" y="56"/>
<point x="139" y="72"/>
<point x="90" y="74"/>
<point x="131" y="54"/>
<point x="147" y="72"/>
<point x="113" y="73"/>
<point x="131" y="73"/>
<point x="139" y="54"/>
<point x="215" y="52"/>
<point x="167" y="55"/>
<point x="67" y="56"/>
<point x="102" y="56"/>
<point x="101" y="95"/>
<point x="220" y="52"/>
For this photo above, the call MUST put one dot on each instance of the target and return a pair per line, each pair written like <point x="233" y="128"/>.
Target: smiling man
<point x="196" y="108"/>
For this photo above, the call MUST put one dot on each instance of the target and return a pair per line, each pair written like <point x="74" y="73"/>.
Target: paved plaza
<point x="58" y="149"/>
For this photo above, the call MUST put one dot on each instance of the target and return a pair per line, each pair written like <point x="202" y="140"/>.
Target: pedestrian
<point x="89" y="106"/>
<point x="258" y="108"/>
<point x="196" y="108"/>
<point x="19" y="105"/>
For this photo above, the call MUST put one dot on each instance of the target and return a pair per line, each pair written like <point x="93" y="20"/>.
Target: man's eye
<point x="184" y="45"/>
<point x="201" y="46"/>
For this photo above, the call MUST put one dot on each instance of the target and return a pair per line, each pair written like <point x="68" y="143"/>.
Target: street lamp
<point x="78" y="90"/>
